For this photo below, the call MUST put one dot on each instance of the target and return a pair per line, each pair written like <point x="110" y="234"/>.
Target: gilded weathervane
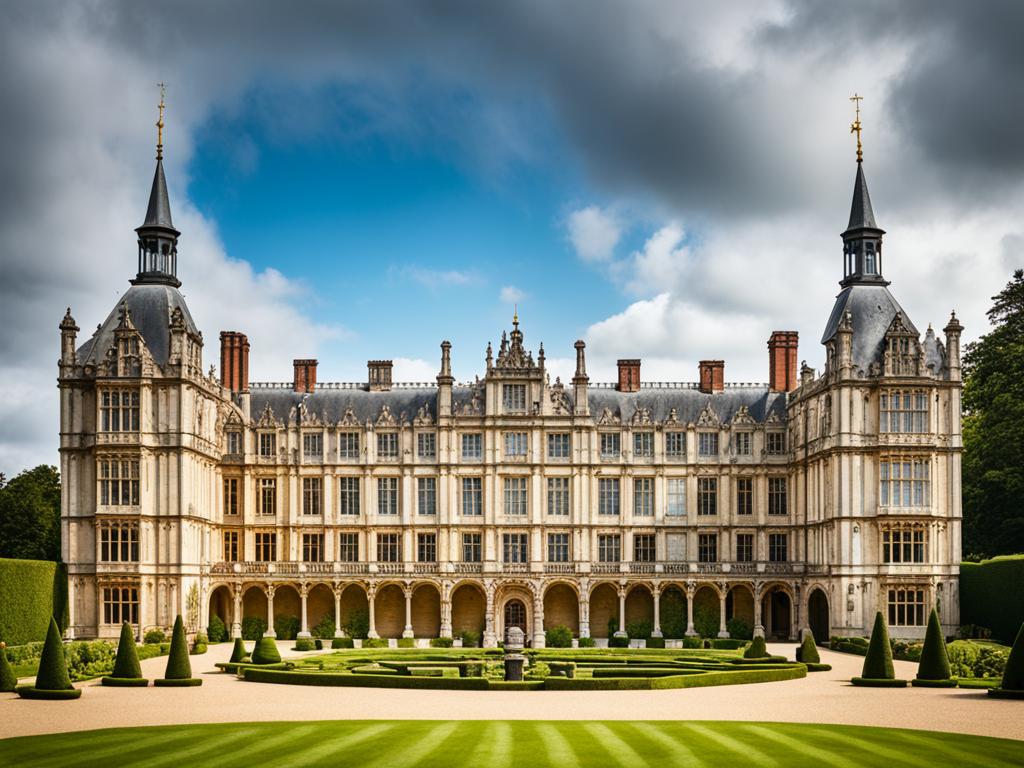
<point x="855" y="128"/>
<point x="160" y="124"/>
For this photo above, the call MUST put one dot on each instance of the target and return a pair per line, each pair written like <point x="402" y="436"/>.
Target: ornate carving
<point x="641" y="416"/>
<point x="266" y="419"/>
<point x="607" y="417"/>
<point x="742" y="416"/>
<point x="559" y="400"/>
<point x="348" y="419"/>
<point x="708" y="417"/>
<point x="386" y="417"/>
<point x="423" y="417"/>
<point x="673" y="416"/>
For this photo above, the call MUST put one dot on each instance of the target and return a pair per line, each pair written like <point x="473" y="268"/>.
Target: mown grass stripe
<point x="405" y="754"/>
<point x="746" y="751"/>
<point x="111" y="743"/>
<point x="558" y="748"/>
<point x="494" y="748"/>
<point x="798" y="746"/>
<point x="323" y="752"/>
<point x="939" y="747"/>
<point x="173" y="757"/>
<point x="846" y="741"/>
<point x="618" y="748"/>
<point x="677" y="750"/>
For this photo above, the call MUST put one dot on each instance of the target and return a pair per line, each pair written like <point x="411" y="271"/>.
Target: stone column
<point x="722" y="594"/>
<point x="371" y="594"/>
<point x="489" y="640"/>
<point x="337" y="589"/>
<point x="691" y="590"/>
<point x="758" y="625"/>
<point x="303" y="594"/>
<point x="539" y="639"/>
<point x="270" y="612"/>
<point x="236" y="622"/>
<point x="656" y="595"/>
<point x="446" y="609"/>
<point x="621" y="631"/>
<point x="407" y="632"/>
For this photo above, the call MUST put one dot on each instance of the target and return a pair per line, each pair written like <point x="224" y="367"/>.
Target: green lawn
<point x="501" y="744"/>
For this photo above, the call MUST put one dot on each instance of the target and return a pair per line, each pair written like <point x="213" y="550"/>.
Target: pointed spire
<point x="862" y="216"/>
<point x="158" y="214"/>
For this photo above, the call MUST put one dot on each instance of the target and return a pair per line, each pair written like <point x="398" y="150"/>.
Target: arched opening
<point x="287" y="612"/>
<point x="515" y="615"/>
<point x="222" y="606"/>
<point x="355" y="611"/>
<point x="673" y="613"/>
<point x="320" y="611"/>
<point x="389" y="611"/>
<point x="604" y="607"/>
<point x="707" y="612"/>
<point x="562" y="608"/>
<point x="817" y="616"/>
<point x="254" y="613"/>
<point x="468" y="610"/>
<point x="426" y="611"/>
<point x="739" y="609"/>
<point x="776" y="613"/>
<point x="639" y="612"/>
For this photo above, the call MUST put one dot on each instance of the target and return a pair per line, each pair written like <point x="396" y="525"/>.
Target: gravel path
<point x="822" y="697"/>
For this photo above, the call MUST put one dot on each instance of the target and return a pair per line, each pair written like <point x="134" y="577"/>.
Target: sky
<point x="356" y="180"/>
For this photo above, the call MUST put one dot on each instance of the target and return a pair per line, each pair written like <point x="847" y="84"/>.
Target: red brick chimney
<point x="234" y="361"/>
<point x="712" y="376"/>
<point x="629" y="376"/>
<point x="305" y="376"/>
<point x="378" y="375"/>
<point x="782" y="367"/>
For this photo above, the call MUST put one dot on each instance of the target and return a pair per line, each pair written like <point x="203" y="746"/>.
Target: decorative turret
<point x="953" y="330"/>
<point x="445" y="381"/>
<point x="862" y="240"/>
<point x="581" y="380"/>
<point x="68" y="333"/>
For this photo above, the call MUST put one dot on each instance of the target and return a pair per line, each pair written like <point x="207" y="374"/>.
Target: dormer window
<point x="513" y="398"/>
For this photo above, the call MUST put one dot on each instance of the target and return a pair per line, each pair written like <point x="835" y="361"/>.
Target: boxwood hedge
<point x="31" y="591"/>
<point x="990" y="595"/>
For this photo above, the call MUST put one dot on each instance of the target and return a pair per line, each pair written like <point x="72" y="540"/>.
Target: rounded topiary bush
<point x="933" y="668"/>
<point x="52" y="680"/>
<point x="179" y="668"/>
<point x="154" y="637"/>
<point x="558" y="637"/>
<point x="1012" y="684"/>
<point x="878" y="670"/>
<point x="127" y="671"/>
<point x="304" y="644"/>
<point x="8" y="680"/>
<point x="217" y="630"/>
<point x="756" y="650"/>
<point x="266" y="651"/>
<point x="808" y="651"/>
<point x="238" y="652"/>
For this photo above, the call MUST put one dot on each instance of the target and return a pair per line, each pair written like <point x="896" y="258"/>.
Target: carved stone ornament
<point x="708" y="417"/>
<point x="673" y="416"/>
<point x="742" y="416"/>
<point x="559" y="401"/>
<point x="349" y="419"/>
<point x="267" y="419"/>
<point x="386" y="418"/>
<point x="423" y="417"/>
<point x="607" y="417"/>
<point x="308" y="418"/>
<point x="641" y="416"/>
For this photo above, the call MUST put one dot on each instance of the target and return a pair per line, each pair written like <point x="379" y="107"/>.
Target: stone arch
<point x="707" y="610"/>
<point x="778" y="611"/>
<point x="469" y="607"/>
<point x="222" y="605"/>
<point x="818" y="618"/>
<point x="389" y="610"/>
<point x="506" y="594"/>
<point x="354" y="610"/>
<point x="562" y="607"/>
<point x="673" y="611"/>
<point x="604" y="606"/>
<point x="287" y="605"/>
<point x="639" y="605"/>
<point x="319" y="604"/>
<point x="254" y="602"/>
<point x="739" y="603"/>
<point x="426" y="610"/>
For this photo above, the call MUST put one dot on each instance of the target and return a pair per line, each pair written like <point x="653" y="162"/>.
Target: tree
<point x="30" y="515"/>
<point x="993" y="465"/>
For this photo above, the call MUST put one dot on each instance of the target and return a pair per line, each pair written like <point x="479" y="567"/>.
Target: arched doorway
<point x="426" y="611"/>
<point x="515" y="615"/>
<point x="222" y="605"/>
<point x="604" y="609"/>
<point x="776" y="613"/>
<point x="469" y="606"/>
<point x="817" y="616"/>
<point x="562" y="608"/>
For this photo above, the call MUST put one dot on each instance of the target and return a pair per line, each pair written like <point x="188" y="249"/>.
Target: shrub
<point x="358" y="623"/>
<point x="990" y="595"/>
<point x="286" y="627"/>
<point x="692" y="642"/>
<point x="53" y="670"/>
<point x="318" y="644"/>
<point x="198" y="649"/>
<point x="656" y="642"/>
<point x="639" y="630"/>
<point x="562" y="668"/>
<point x="324" y="628"/>
<point x="673" y="613"/>
<point x="217" y="631"/>
<point x="31" y="593"/>
<point x="375" y="642"/>
<point x="587" y="642"/>
<point x="238" y="652"/>
<point x="739" y="629"/>
<point x="8" y="680"/>
<point x="262" y="675"/>
<point x="470" y="638"/>
<point x="934" y="659"/>
<point x="756" y="649"/>
<point x="538" y="670"/>
<point x="266" y="652"/>
<point x="178" y="665"/>
<point x="342" y="642"/>
<point x="613" y="626"/>
<point x="878" y="661"/>
<point x="253" y="628"/>
<point x="808" y="651"/>
<point x="558" y="637"/>
<point x="705" y="620"/>
<point x="304" y="644"/>
<point x="618" y="642"/>
<point x="725" y="643"/>
<point x="406" y="642"/>
<point x="154" y="636"/>
<point x="441" y="642"/>
<point x="1013" y="675"/>
<point x="126" y="665"/>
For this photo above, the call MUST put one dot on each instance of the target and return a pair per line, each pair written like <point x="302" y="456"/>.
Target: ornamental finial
<point x="160" y="124"/>
<point x="855" y="128"/>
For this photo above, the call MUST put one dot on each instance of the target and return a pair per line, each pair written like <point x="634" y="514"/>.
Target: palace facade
<point x="434" y="509"/>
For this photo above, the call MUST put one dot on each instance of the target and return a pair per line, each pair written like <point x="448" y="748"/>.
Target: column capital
<point x="269" y="589"/>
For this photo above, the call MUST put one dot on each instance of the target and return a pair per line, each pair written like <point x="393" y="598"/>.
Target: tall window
<point x="119" y="410"/>
<point x="268" y="445"/>
<point x="558" y="547"/>
<point x="778" y="547"/>
<point x="268" y="496"/>
<point x="472" y="550"/>
<point x="676" y="505"/>
<point x="231" y="495"/>
<point x="119" y="543"/>
<point x="387" y="495"/>
<point x="609" y="548"/>
<point x="387" y="548"/>
<point x="119" y="482"/>
<point x="472" y="496"/>
<point x="515" y="548"/>
<point x="904" y="483"/>
<point x="558" y="496"/>
<point x="675" y="445"/>
<point x="906" y="607"/>
<point x="643" y="496"/>
<point x="312" y="445"/>
<point x="234" y="443"/>
<point x="515" y="496"/>
<point x="231" y="548"/>
<point x="472" y="446"/>
<point x="426" y="548"/>
<point x="348" y="497"/>
<point x="426" y="445"/>
<point x="608" y="496"/>
<point x="387" y="445"/>
<point x="513" y="398"/>
<point x="744" y="547"/>
<point x="707" y="547"/>
<point x="741" y="443"/>
<point x="558" y="445"/>
<point x="904" y="412"/>
<point x="744" y="495"/>
<point x="904" y="546"/>
<point x="348" y="445"/>
<point x="707" y="443"/>
<point x="426" y="495"/>
<point x="610" y="445"/>
<point x="516" y="444"/>
<point x="707" y="495"/>
<point x="777" y="496"/>
<point x="312" y="547"/>
<point x="266" y="547"/>
<point x="775" y="443"/>
<point x="643" y="445"/>
<point x="644" y="549"/>
<point x="120" y="604"/>
<point x="312" y="494"/>
<point x="348" y="547"/>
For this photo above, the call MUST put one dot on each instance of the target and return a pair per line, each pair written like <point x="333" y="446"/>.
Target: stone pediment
<point x="708" y="417"/>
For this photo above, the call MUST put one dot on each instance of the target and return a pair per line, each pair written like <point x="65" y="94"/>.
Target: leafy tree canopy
<point x="30" y="515"/>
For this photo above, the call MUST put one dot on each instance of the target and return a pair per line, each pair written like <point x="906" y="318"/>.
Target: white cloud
<point x="511" y="295"/>
<point x="436" y="278"/>
<point x="415" y="369"/>
<point x="594" y="233"/>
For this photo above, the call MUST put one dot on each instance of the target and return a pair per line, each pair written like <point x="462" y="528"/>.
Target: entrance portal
<point x="515" y="615"/>
<point x="817" y="610"/>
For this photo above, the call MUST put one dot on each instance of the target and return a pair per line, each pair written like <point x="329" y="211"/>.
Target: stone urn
<point x="514" y="659"/>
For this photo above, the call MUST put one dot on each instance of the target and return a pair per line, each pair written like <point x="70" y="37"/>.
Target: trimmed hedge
<point x="808" y="651"/>
<point x="52" y="682"/>
<point x="558" y="637"/>
<point x="342" y="642"/>
<point x="238" y="652"/>
<point x="1012" y="684"/>
<point x="261" y="675"/>
<point x="266" y="651"/>
<point x="304" y="644"/>
<point x="31" y="593"/>
<point x="179" y="668"/>
<point x="235" y="667"/>
<point x="756" y="649"/>
<point x="8" y="680"/>
<point x="990" y="595"/>
<point x="126" y="665"/>
<point x="442" y="642"/>
<point x="879" y="682"/>
<point x="934" y="659"/>
<point x="878" y="661"/>
<point x="124" y="682"/>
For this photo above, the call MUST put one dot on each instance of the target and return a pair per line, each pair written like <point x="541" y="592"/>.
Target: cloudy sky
<point x="360" y="180"/>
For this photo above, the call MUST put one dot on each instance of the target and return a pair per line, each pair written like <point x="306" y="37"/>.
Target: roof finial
<point x="160" y="125"/>
<point x="855" y="128"/>
<point x="515" y="315"/>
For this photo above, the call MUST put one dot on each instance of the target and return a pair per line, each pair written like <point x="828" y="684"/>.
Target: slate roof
<point x="872" y="309"/>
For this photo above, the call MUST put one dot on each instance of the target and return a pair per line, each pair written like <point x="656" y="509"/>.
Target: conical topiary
<point x="266" y="652"/>
<point x="52" y="681"/>
<point x="878" y="669"/>
<point x="127" y="671"/>
<point x="8" y="680"/>
<point x="756" y="650"/>
<point x="808" y="650"/>
<point x="1012" y="685"/>
<point x="933" y="669"/>
<point x="179" y="668"/>
<point x="238" y="653"/>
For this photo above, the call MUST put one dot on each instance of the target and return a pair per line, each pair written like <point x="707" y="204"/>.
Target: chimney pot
<point x="629" y="376"/>
<point x="712" y="376"/>
<point x="234" y="361"/>
<point x="782" y="367"/>
<point x="379" y="375"/>
<point x="304" y="379"/>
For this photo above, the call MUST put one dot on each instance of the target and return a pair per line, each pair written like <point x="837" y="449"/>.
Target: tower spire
<point x="862" y="240"/>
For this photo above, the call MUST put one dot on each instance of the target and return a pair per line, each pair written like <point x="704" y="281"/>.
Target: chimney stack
<point x="629" y="376"/>
<point x="782" y="369"/>
<point x="234" y="361"/>
<point x="305" y="376"/>
<point x="379" y="375"/>
<point x="712" y="376"/>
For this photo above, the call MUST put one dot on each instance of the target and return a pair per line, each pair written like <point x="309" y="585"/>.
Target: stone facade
<point x="439" y="508"/>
